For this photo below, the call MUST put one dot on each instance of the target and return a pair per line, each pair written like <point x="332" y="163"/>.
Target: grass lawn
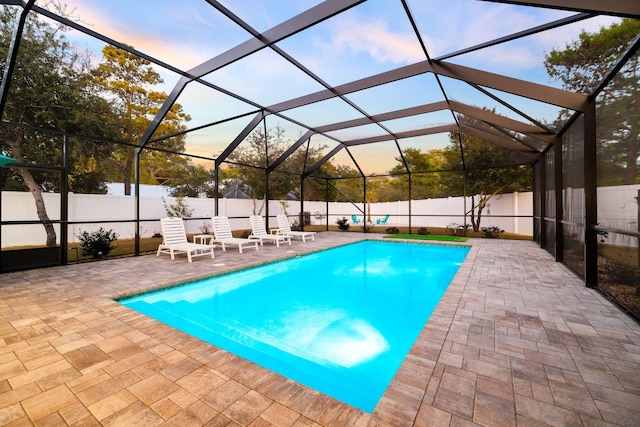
<point x="426" y="237"/>
<point x="123" y="247"/>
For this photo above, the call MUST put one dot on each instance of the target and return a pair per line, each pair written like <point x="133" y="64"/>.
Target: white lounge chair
<point x="259" y="232"/>
<point x="174" y="239"/>
<point x="222" y="234"/>
<point x="284" y="228"/>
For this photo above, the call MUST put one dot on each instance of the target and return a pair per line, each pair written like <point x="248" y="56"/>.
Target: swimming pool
<point x="340" y="321"/>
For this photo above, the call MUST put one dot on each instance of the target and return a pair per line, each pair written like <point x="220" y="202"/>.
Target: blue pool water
<point x="340" y="321"/>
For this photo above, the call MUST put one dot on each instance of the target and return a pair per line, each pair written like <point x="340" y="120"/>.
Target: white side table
<point x="203" y="239"/>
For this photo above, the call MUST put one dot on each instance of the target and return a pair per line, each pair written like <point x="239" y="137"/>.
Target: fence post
<point x="71" y="216"/>
<point x="514" y="211"/>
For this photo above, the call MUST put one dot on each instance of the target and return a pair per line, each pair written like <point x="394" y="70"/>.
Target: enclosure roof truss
<point x="523" y="134"/>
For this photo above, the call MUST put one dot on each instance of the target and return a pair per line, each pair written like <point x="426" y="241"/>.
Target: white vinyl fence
<point x="617" y="208"/>
<point x="99" y="210"/>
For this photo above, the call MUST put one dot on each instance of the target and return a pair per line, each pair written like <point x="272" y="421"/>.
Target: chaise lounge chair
<point x="284" y="228"/>
<point x="355" y="219"/>
<point x="174" y="239"/>
<point x="222" y="234"/>
<point x="381" y="221"/>
<point x="259" y="232"/>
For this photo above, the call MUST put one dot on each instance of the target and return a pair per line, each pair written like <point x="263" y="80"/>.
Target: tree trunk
<point x="35" y="189"/>
<point x="257" y="211"/>
<point x="631" y="169"/>
<point x="482" y="202"/>
<point x="128" y="168"/>
<point x="476" y="226"/>
<point x="472" y="212"/>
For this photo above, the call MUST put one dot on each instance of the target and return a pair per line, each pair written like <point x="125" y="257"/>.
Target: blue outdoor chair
<point x="381" y="221"/>
<point x="355" y="219"/>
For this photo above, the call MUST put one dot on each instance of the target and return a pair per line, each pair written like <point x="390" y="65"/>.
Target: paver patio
<point x="516" y="340"/>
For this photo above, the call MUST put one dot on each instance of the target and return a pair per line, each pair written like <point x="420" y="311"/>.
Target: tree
<point x="50" y="89"/>
<point x="314" y="189"/>
<point x="127" y="80"/>
<point x="423" y="168"/>
<point x="488" y="170"/>
<point x="191" y="181"/>
<point x="252" y="158"/>
<point x="349" y="185"/>
<point x="581" y="66"/>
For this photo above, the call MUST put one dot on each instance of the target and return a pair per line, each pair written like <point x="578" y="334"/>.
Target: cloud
<point x="490" y="22"/>
<point x="152" y="39"/>
<point x="375" y="39"/>
<point x="560" y="37"/>
<point x="513" y="57"/>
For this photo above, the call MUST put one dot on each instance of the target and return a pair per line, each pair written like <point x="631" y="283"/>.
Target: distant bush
<point x="205" y="228"/>
<point x="621" y="273"/>
<point x="305" y="218"/>
<point x="178" y="209"/>
<point x="492" y="232"/>
<point x="459" y="229"/>
<point x="392" y="230"/>
<point x="343" y="224"/>
<point x="423" y="231"/>
<point x="98" y="243"/>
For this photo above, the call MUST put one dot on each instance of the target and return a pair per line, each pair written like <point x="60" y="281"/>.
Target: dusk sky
<point x="373" y="37"/>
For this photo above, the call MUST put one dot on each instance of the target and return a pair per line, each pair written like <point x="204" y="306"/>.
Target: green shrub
<point x="492" y="232"/>
<point x="392" y="230"/>
<point x="98" y="243"/>
<point x="343" y="224"/>
<point x="178" y="209"/>
<point x="423" y="231"/>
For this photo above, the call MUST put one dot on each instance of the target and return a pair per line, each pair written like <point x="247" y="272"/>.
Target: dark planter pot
<point x="24" y="259"/>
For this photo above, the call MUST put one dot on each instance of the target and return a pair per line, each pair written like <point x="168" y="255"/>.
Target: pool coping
<point x="123" y="300"/>
<point x="476" y="359"/>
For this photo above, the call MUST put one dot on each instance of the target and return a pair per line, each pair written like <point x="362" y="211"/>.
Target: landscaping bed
<point x="426" y="237"/>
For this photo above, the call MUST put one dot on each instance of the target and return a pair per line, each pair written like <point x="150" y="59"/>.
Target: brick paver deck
<point x="516" y="340"/>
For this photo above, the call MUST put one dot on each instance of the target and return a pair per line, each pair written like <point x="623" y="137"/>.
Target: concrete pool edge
<point x="71" y="341"/>
<point x="402" y="399"/>
<point x="167" y="304"/>
<point x="405" y="386"/>
<point x="129" y="294"/>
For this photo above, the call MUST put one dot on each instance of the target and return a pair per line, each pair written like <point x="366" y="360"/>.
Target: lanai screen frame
<point x="582" y="105"/>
